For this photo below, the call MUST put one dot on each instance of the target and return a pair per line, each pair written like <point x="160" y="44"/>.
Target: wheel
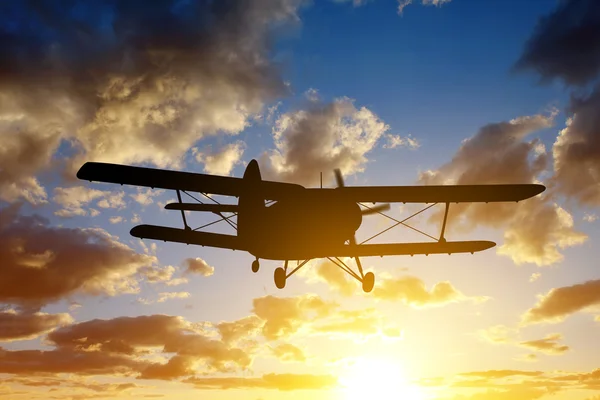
<point x="368" y="282"/>
<point x="255" y="266"/>
<point x="280" y="278"/>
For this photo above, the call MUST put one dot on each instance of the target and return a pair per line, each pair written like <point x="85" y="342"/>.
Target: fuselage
<point x="291" y="228"/>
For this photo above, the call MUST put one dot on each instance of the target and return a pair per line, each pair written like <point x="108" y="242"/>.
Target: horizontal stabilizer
<point x="215" y="208"/>
<point x="187" y="236"/>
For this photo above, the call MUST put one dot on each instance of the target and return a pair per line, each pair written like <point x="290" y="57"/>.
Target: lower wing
<point x="398" y="249"/>
<point x="188" y="237"/>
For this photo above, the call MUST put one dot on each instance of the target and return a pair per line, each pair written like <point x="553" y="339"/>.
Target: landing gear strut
<point x="255" y="266"/>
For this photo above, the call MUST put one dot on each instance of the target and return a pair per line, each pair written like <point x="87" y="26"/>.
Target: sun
<point x="372" y="378"/>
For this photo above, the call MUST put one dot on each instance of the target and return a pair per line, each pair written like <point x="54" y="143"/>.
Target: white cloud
<point x="320" y="139"/>
<point x="223" y="161"/>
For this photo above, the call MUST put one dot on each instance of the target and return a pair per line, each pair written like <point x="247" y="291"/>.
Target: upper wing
<point x="398" y="249"/>
<point x="177" y="180"/>
<point x="187" y="236"/>
<point x="440" y="194"/>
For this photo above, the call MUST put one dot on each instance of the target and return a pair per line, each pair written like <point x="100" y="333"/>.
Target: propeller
<point x="339" y="179"/>
<point x="368" y="279"/>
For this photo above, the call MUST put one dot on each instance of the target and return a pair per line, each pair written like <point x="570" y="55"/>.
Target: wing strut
<point x="185" y="225"/>
<point x="442" y="238"/>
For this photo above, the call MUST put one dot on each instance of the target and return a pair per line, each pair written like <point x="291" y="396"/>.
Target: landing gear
<point x="255" y="266"/>
<point x="280" y="278"/>
<point x="368" y="281"/>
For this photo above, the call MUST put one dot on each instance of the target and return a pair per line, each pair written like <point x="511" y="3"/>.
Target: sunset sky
<point x="392" y="92"/>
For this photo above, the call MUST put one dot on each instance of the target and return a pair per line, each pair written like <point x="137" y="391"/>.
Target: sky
<point x="392" y="92"/>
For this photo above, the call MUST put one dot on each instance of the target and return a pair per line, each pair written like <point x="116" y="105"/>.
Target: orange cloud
<point x="130" y="335"/>
<point x="42" y="264"/>
<point x="198" y="266"/>
<point x="548" y="345"/>
<point x="243" y="328"/>
<point x="268" y="381"/>
<point x="25" y="326"/>
<point x="288" y="352"/>
<point x="284" y="316"/>
<point x="411" y="290"/>
<point x="561" y="302"/>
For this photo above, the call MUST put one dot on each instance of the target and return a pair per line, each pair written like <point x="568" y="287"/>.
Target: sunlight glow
<point x="369" y="378"/>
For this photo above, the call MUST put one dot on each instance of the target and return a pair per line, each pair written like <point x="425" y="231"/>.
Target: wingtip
<point x="83" y="171"/>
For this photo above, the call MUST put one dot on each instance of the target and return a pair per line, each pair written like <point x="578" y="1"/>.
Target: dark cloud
<point x="566" y="43"/>
<point x="536" y="229"/>
<point x="126" y="335"/>
<point x="128" y="81"/>
<point x="24" y="326"/>
<point x="577" y="151"/>
<point x="27" y="362"/>
<point x="42" y="264"/>
<point x="561" y="302"/>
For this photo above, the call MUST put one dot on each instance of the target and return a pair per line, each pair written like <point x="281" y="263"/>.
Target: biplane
<point x="285" y="221"/>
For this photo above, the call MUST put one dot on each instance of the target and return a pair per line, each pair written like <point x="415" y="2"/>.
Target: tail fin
<point x="251" y="203"/>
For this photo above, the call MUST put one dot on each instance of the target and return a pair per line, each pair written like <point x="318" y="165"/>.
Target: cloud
<point x="498" y="334"/>
<point x="394" y="141"/>
<point x="198" y="266"/>
<point x="320" y="139"/>
<point x="335" y="277"/>
<point x="268" y="381"/>
<point x="25" y="326"/>
<point x="565" y="43"/>
<point x="403" y="3"/>
<point x="132" y="336"/>
<point x="232" y="332"/>
<point x="72" y="199"/>
<point x="577" y="151"/>
<point x="222" y="162"/>
<point x="164" y="296"/>
<point x="284" y="316"/>
<point x="498" y="374"/>
<point x="288" y="352"/>
<point x="162" y="275"/>
<point x="115" y="220"/>
<point x="27" y="362"/>
<point x="561" y="302"/>
<point x="535" y="276"/>
<point x="357" y="324"/>
<point x="42" y="264"/>
<point x="590" y="217"/>
<point x="163" y="78"/>
<point x="145" y="196"/>
<point x="412" y="291"/>
<point x="535" y="229"/>
<point x="548" y="345"/>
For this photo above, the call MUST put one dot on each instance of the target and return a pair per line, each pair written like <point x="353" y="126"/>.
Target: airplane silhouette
<point x="284" y="221"/>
